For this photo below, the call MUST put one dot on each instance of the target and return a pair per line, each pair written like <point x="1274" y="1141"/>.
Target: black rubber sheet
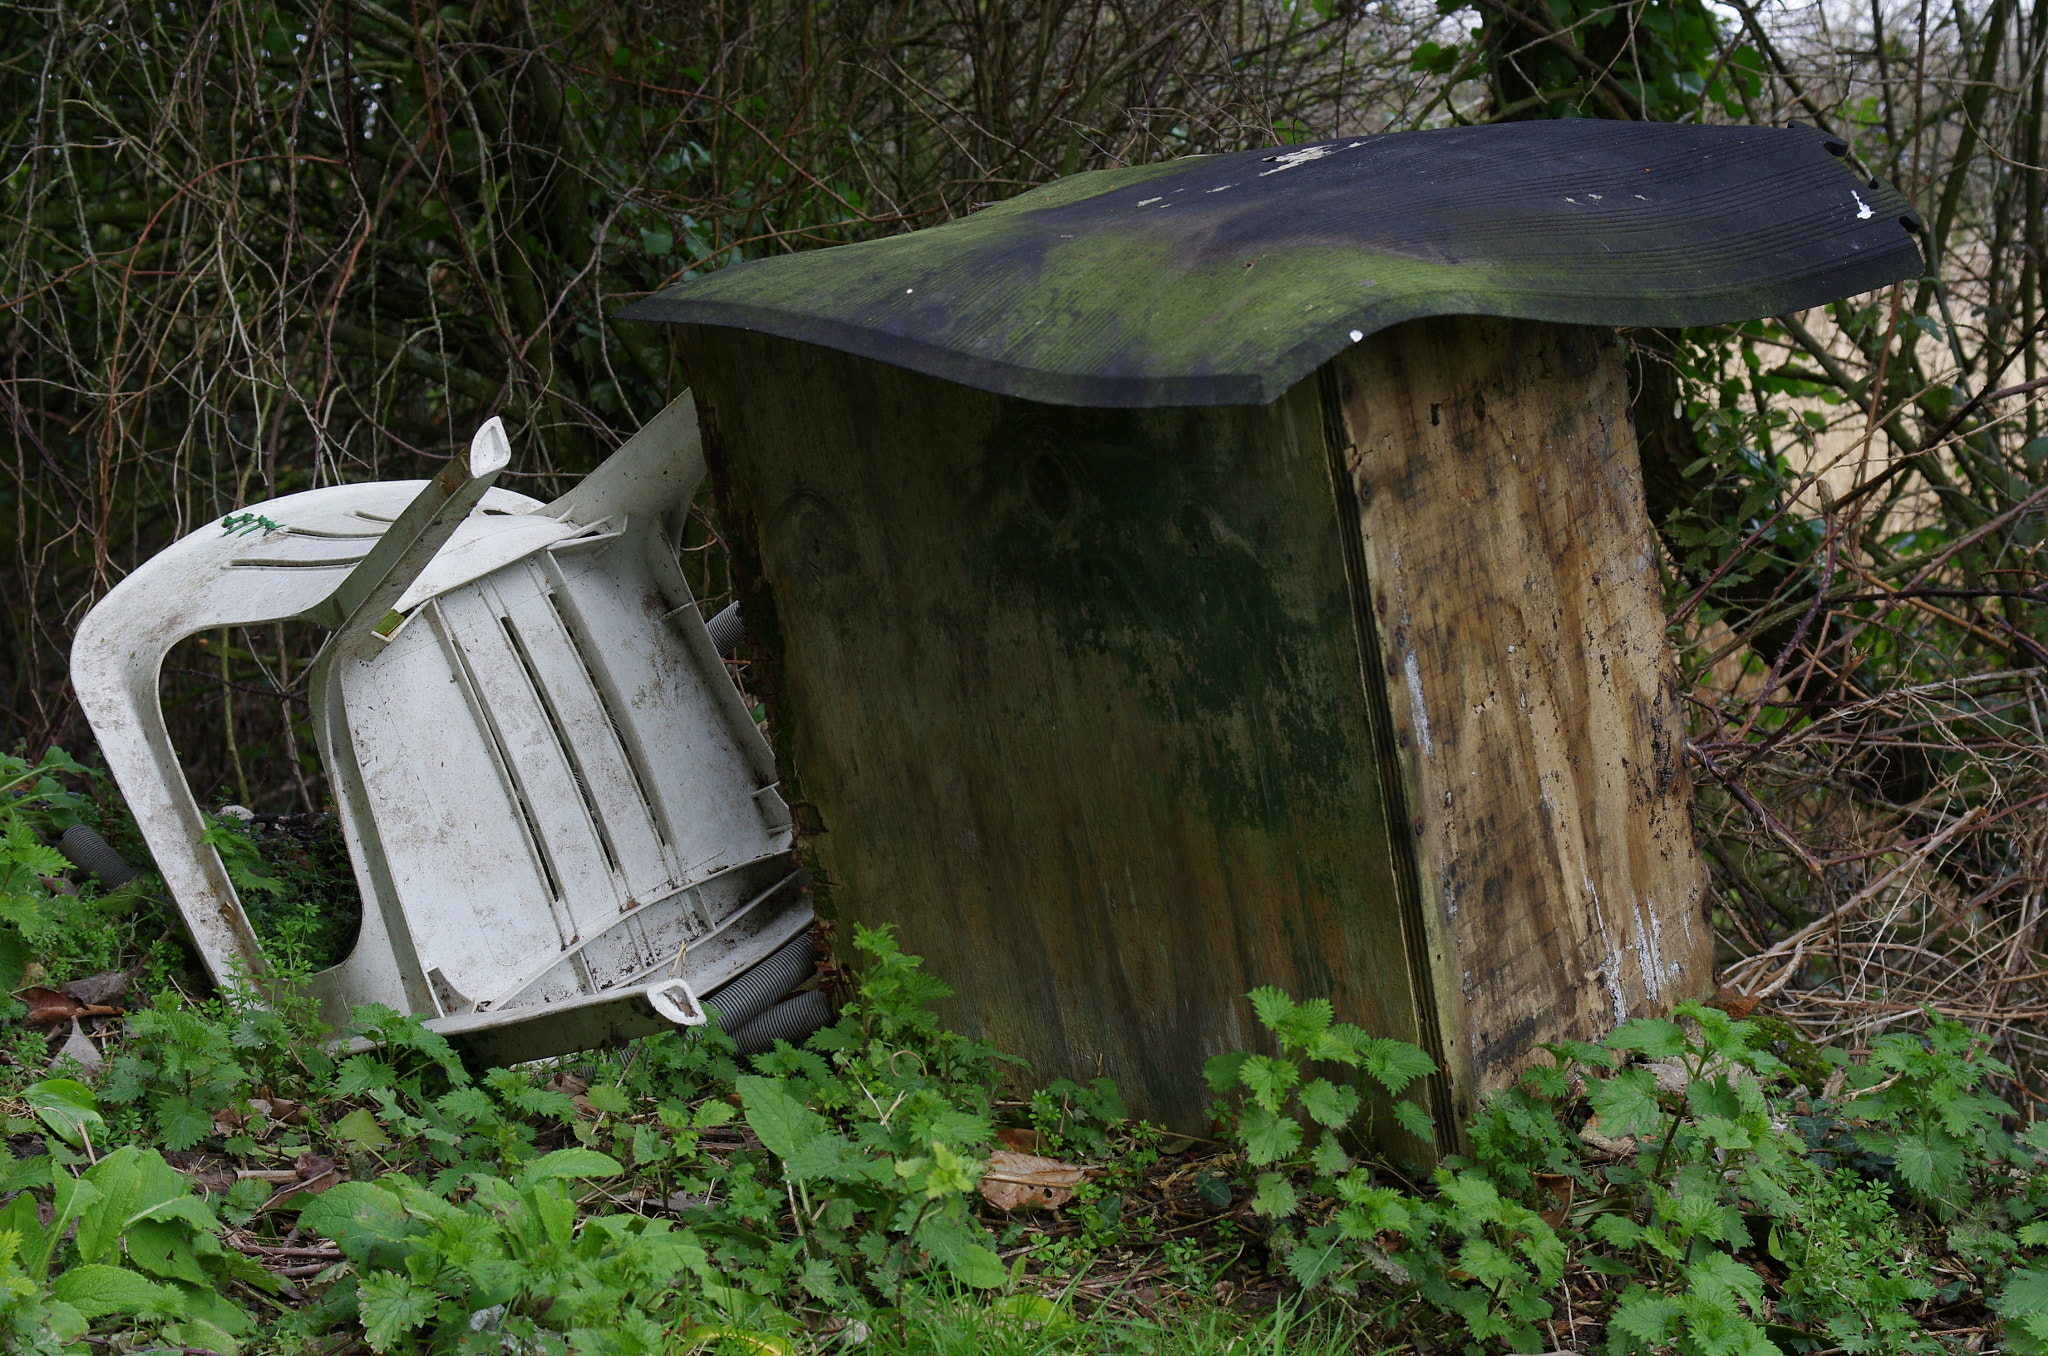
<point x="1219" y="280"/>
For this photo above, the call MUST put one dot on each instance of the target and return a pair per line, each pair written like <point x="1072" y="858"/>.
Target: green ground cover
<point x="221" y="1179"/>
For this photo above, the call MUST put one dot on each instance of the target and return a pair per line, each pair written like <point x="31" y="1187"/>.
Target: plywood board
<point x="1073" y="697"/>
<point x="1513" y="584"/>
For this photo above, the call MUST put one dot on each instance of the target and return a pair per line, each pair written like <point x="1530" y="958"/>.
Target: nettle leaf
<point x="1654" y="1037"/>
<point x="1718" y="1277"/>
<point x="2026" y="1292"/>
<point x="1268" y="1136"/>
<point x="180" y="1122"/>
<point x="610" y="1098"/>
<point x="1308" y="1021"/>
<point x="1928" y="1161"/>
<point x="360" y="1130"/>
<point x="1415" y="1120"/>
<point x="1274" y="1197"/>
<point x="1626" y="1103"/>
<point x="1309" y="1265"/>
<point x="1329" y="1157"/>
<point x="783" y="1124"/>
<point x="467" y="1105"/>
<point x="960" y="1247"/>
<point x="1342" y="1043"/>
<point x="831" y="1157"/>
<point x="354" y="1215"/>
<point x="1396" y="1064"/>
<point x="1616" y="1230"/>
<point x="1271" y="1005"/>
<point x="1328" y="1103"/>
<point x="1268" y="1079"/>
<point x="1645" y="1316"/>
<point x="391" y="1306"/>
<point x="1221" y="1073"/>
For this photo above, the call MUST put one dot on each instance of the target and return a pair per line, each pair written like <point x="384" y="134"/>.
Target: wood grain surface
<point x="1513" y="583"/>
<point x="1072" y="697"/>
<point x="1119" y="714"/>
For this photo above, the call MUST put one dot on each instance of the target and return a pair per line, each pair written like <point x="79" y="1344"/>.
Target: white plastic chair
<point x="563" y="820"/>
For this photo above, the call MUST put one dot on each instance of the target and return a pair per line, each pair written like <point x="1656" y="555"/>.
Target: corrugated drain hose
<point x="792" y="1020"/>
<point x="88" y="851"/>
<point x="752" y="993"/>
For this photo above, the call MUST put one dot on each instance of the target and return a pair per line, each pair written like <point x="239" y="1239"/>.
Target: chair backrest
<point x="554" y="797"/>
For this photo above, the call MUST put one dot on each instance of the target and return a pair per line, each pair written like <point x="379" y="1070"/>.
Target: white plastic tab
<point x="675" y="1000"/>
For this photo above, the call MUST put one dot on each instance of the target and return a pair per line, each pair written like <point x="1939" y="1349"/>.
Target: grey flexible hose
<point x="727" y="631"/>
<point x="88" y="851"/>
<point x="754" y="992"/>
<point x="792" y="1020"/>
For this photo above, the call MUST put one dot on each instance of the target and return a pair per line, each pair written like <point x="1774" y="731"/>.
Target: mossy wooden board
<point x="1092" y="704"/>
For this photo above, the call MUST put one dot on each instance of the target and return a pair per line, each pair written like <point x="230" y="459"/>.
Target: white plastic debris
<point x="563" y="820"/>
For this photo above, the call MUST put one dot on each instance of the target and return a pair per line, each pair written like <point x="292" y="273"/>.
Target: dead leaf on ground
<point x="210" y="1174"/>
<point x="109" y="986"/>
<point x="48" y="1007"/>
<point x="1023" y="1141"/>
<point x="1734" y="1002"/>
<point x="1561" y="1190"/>
<point x="1605" y="1143"/>
<point x="1015" y="1181"/>
<point x="78" y="1047"/>
<point x="316" y="1174"/>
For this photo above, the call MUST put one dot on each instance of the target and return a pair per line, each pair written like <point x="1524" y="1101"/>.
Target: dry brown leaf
<point x="47" y="1007"/>
<point x="1561" y="1190"/>
<point x="1017" y="1181"/>
<point x="109" y="986"/>
<point x="1023" y="1141"/>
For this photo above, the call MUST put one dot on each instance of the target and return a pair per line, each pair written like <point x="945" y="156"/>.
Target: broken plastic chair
<point x="563" y="820"/>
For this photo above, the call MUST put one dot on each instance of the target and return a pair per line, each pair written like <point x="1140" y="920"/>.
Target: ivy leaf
<point x="391" y="1306"/>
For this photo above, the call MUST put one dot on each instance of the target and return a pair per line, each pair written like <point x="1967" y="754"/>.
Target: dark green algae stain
<point x="1088" y="291"/>
<point x="1176" y="545"/>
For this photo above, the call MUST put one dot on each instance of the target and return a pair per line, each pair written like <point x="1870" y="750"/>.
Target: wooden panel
<point x="1072" y="696"/>
<point x="1514" y="585"/>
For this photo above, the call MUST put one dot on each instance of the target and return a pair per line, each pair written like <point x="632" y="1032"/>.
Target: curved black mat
<point x="1220" y="280"/>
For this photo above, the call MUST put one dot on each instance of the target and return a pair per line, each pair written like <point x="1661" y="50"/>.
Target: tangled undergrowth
<point x="222" y="1180"/>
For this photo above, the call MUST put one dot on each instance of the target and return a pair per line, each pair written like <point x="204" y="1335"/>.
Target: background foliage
<point x="251" y="248"/>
